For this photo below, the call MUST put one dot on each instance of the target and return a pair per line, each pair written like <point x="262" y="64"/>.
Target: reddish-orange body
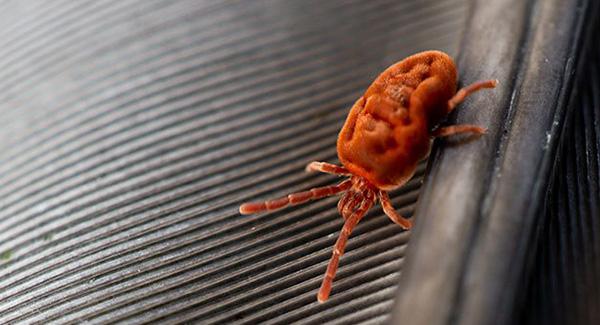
<point x="388" y="131"/>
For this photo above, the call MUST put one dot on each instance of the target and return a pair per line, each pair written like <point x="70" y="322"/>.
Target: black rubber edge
<point x="565" y="282"/>
<point x="476" y="232"/>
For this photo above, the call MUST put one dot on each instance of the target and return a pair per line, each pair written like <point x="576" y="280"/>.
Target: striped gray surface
<point x="565" y="287"/>
<point x="132" y="130"/>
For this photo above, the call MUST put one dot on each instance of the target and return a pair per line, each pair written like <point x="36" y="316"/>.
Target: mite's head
<point x="357" y="196"/>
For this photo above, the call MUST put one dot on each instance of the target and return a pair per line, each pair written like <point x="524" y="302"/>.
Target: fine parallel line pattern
<point x="135" y="129"/>
<point x="127" y="62"/>
<point x="107" y="16"/>
<point x="114" y="118"/>
<point x="45" y="186"/>
<point x="79" y="255"/>
<point x="566" y="281"/>
<point x="209" y="61"/>
<point x="192" y="89"/>
<point x="174" y="279"/>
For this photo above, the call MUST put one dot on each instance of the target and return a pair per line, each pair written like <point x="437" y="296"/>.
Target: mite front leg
<point x="389" y="210"/>
<point x="457" y="129"/>
<point x="468" y="90"/>
<point x="323" y="167"/>
<point x="295" y="198"/>
<point x="338" y="249"/>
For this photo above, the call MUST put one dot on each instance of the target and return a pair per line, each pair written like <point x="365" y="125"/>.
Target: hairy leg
<point x="317" y="166"/>
<point x="295" y="198"/>
<point x="389" y="210"/>
<point x="348" y="201"/>
<point x="463" y="93"/>
<point x="340" y="245"/>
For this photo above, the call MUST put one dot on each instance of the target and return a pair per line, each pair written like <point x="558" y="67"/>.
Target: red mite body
<point x="387" y="132"/>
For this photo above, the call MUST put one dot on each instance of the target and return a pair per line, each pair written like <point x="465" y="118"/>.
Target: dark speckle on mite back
<point x="391" y="143"/>
<point x="378" y="148"/>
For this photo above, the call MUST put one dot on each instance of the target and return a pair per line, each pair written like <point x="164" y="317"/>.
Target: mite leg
<point x="457" y="129"/>
<point x="466" y="91"/>
<point x="328" y="168"/>
<point x="389" y="210"/>
<point x="295" y="198"/>
<point x="338" y="249"/>
<point x="350" y="200"/>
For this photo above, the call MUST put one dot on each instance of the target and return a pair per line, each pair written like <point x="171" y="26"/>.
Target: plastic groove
<point x="44" y="48"/>
<point x="83" y="278"/>
<point x="240" y="121"/>
<point x="114" y="242"/>
<point x="178" y="292"/>
<point x="93" y="140"/>
<point x="241" y="49"/>
<point x="565" y="281"/>
<point x="304" y="290"/>
<point x="195" y="202"/>
<point x="119" y="198"/>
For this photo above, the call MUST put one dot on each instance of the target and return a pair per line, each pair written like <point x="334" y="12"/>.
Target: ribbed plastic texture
<point x="130" y="132"/>
<point x="565" y="288"/>
<point x="492" y="193"/>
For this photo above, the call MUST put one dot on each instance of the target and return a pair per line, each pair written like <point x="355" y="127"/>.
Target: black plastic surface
<point x="565" y="285"/>
<point x="482" y="203"/>
<point x="130" y="132"/>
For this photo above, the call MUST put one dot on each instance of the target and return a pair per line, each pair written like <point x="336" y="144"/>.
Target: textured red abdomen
<point x="387" y="131"/>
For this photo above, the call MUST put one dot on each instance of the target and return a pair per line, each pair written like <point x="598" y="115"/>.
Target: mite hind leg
<point x="389" y="210"/>
<point x="445" y="131"/>
<point x="323" y="167"/>
<point x="338" y="249"/>
<point x="295" y="198"/>
<point x="463" y="93"/>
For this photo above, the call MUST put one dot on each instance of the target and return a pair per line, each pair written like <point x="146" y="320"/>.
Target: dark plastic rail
<point x="130" y="132"/>
<point x="476" y="236"/>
